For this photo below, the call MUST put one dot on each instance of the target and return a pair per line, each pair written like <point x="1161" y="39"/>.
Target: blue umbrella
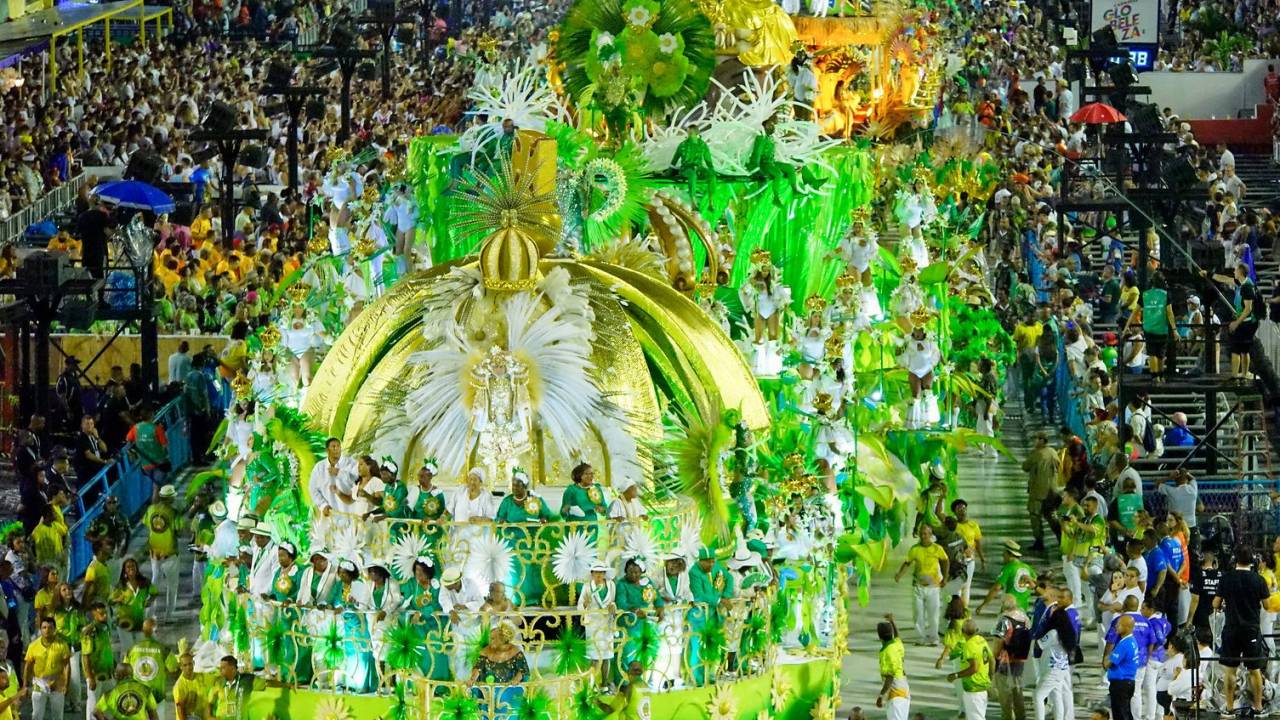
<point x="136" y="195"/>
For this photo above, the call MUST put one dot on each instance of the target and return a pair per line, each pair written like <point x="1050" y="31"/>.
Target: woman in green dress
<point x="429" y="506"/>
<point x="637" y="600"/>
<point x="584" y="499"/>
<point x="129" y="603"/>
<point x="522" y="509"/>
<point x="422" y="602"/>
<point x="357" y="648"/>
<point x="294" y="648"/>
<point x="70" y="620"/>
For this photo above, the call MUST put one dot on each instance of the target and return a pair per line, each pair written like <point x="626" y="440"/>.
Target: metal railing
<point x="125" y="480"/>
<point x="49" y="204"/>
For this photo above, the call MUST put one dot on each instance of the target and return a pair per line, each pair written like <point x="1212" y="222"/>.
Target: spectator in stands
<point x="1271" y="85"/>
<point x="1178" y="435"/>
<point x="1182" y="498"/>
<point x="92" y="453"/>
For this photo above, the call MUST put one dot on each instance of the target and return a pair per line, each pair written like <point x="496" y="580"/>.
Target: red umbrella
<point x="1098" y="114"/>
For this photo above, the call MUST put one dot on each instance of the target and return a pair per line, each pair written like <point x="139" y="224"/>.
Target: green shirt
<point x="394" y="500"/>
<point x="147" y="442"/>
<point x="1154" y="301"/>
<point x="1019" y="580"/>
<point x="531" y="509"/>
<point x="1128" y="505"/>
<point x="285" y="585"/>
<point x="584" y="500"/>
<point x="642" y="595"/>
<point x="130" y="700"/>
<point x="152" y="663"/>
<point x="975" y="650"/>
<point x="710" y="587"/>
<point x="95" y="644"/>
<point x="161" y="521"/>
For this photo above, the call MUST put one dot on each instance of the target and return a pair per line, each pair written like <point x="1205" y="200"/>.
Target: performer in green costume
<point x="429" y="506"/>
<point x="522" y="506"/>
<point x="294" y="653"/>
<point x="693" y="161"/>
<point x="712" y="587"/>
<point x="638" y="600"/>
<point x="422" y="602"/>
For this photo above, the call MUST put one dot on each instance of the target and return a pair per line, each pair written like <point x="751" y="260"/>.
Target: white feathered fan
<point x="522" y="96"/>
<point x="490" y="559"/>
<point x="405" y="552"/>
<point x="573" y="559"/>
<point x="639" y="545"/>
<point x="690" y="539"/>
<point x="348" y="544"/>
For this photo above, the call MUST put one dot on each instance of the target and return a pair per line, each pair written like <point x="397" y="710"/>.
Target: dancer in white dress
<point x="859" y="248"/>
<point x="674" y="589"/>
<point x="301" y="336"/>
<point x="597" y="603"/>
<point x="765" y="300"/>
<point x="382" y="599"/>
<point x="811" y="337"/>
<point x="919" y="356"/>
<point x="907" y="298"/>
<point x="629" y="508"/>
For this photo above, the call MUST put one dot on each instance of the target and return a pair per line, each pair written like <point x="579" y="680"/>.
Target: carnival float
<point x="631" y="386"/>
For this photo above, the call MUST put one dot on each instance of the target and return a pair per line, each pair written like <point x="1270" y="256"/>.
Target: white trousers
<point x="897" y="709"/>
<point x="103" y="689"/>
<point x="47" y="705"/>
<point x="975" y="705"/>
<point x="164" y="575"/>
<point x="1071" y="572"/>
<point x="1137" y="704"/>
<point x="1055" y="686"/>
<point x="1147" y="688"/>
<point x="961" y="585"/>
<point x="927" y="610"/>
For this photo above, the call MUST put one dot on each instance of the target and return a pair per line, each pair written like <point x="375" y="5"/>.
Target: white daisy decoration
<point x="405" y="552"/>
<point x="573" y="559"/>
<point x="639" y="16"/>
<point x="667" y="43"/>
<point x="604" y="40"/>
<point x="491" y="559"/>
<point x="334" y="708"/>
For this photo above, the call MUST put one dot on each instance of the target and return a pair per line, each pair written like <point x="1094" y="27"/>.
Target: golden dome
<point x="509" y="261"/>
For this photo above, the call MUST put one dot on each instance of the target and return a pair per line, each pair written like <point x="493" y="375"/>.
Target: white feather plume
<point x="440" y="416"/>
<point x="639" y="545"/>
<point x="690" y="539"/>
<point x="405" y="552"/>
<point x="521" y="96"/>
<point x="572" y="561"/>
<point x="348" y="543"/>
<point x="490" y="559"/>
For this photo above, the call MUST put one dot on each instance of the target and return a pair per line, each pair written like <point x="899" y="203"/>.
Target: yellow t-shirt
<point x="976" y="650"/>
<point x="44" y="598"/>
<point x="98" y="576"/>
<point x="1129" y="298"/>
<point x="928" y="561"/>
<point x="189" y="695"/>
<point x="970" y="531"/>
<point x="11" y="712"/>
<point x="50" y="540"/>
<point x="161" y="522"/>
<point x="1026" y="336"/>
<point x="48" y="660"/>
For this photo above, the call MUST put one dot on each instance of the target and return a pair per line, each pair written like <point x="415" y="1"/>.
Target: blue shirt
<point x="1178" y="436"/>
<point x="1074" y="615"/>
<point x="1159" y="627"/>
<point x="1124" y="660"/>
<point x="199" y="178"/>
<point x="1173" y="553"/>
<point x="1141" y="634"/>
<point x="1156" y="561"/>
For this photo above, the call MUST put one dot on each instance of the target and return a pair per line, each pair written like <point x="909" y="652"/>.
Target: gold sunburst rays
<point x="505" y="199"/>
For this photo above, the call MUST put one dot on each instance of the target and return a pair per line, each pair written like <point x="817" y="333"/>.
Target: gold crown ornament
<point x="793" y="461"/>
<point x="815" y="303"/>
<point x="835" y="344"/>
<point x="760" y="256"/>
<point x="370" y="195"/>
<point x="269" y="336"/>
<point x="298" y="292"/>
<point x="335" y="155"/>
<point x="363" y="249"/>
<point x="922" y="173"/>
<point x="848" y="281"/>
<point x="908" y="264"/>
<point x="921" y="317"/>
<point x="241" y="385"/>
<point x="319" y="242"/>
<point x="822" y="403"/>
<point x="861" y="214"/>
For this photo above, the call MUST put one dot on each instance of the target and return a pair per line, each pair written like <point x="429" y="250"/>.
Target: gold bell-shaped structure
<point x="509" y="261"/>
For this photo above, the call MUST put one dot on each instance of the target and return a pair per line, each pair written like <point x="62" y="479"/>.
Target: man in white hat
<point x="597" y="602"/>
<point x="460" y="600"/>
<point x="628" y="508"/>
<point x="226" y="535"/>
<point x="265" y="563"/>
<point x="161" y="521"/>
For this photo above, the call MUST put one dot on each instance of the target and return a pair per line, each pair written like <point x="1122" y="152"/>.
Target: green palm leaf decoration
<point x="399" y="709"/>
<point x="460" y="706"/>
<point x="643" y="644"/>
<point x="476" y="644"/>
<point x="328" y="647"/>
<point x="535" y="705"/>
<point x="404" y="646"/>
<point x="713" y="640"/>
<point x="571" y="653"/>
<point x="754" y="633"/>
<point x="240" y="627"/>
<point x="664" y="50"/>
<point x="274" y="636"/>
<point x="694" y="445"/>
<point x="584" y="704"/>
<point x="779" y="617"/>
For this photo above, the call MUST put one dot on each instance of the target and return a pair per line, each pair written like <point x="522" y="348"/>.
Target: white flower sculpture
<point x="604" y="40"/>
<point x="405" y="552"/>
<point x="667" y="43"/>
<point x="573" y="559"/>
<point x="640" y="17"/>
<point x="491" y="559"/>
<point x="334" y="708"/>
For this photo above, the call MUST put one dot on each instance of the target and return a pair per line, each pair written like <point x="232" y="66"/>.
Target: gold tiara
<point x="815" y="303"/>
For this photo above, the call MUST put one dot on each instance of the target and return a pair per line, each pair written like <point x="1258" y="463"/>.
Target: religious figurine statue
<point x="501" y="412"/>
<point x="811" y="337"/>
<point x="693" y="163"/>
<point x="759" y="32"/>
<point x="765" y="299"/>
<point x="919" y="356"/>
